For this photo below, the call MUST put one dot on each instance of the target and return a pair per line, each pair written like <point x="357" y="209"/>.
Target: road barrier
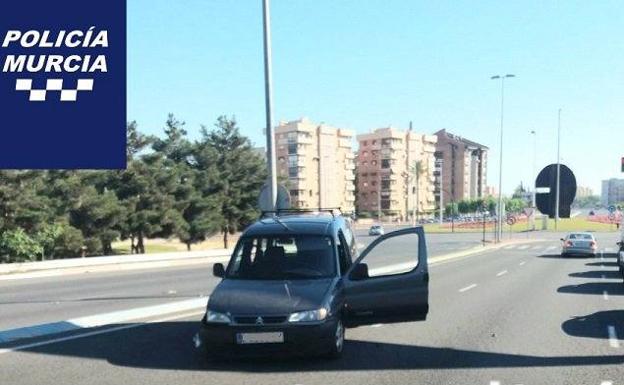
<point x="72" y="263"/>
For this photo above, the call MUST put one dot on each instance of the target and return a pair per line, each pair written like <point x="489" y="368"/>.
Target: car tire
<point x="563" y="255"/>
<point x="335" y="350"/>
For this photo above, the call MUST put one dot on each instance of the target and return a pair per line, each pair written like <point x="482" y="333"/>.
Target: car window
<point x="283" y="257"/>
<point x="344" y="254"/>
<point x="394" y="255"/>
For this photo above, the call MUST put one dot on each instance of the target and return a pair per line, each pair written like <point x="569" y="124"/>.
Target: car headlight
<point x="308" y="316"/>
<point x="216" y="317"/>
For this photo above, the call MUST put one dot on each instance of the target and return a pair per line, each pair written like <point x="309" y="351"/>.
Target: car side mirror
<point x="218" y="270"/>
<point x="562" y="240"/>
<point x="360" y="271"/>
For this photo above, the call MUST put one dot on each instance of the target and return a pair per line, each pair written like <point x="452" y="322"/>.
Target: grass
<point x="565" y="225"/>
<point x="123" y="248"/>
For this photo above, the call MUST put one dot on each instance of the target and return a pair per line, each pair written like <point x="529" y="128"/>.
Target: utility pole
<point x="534" y="177"/>
<point x="558" y="194"/>
<point x="499" y="232"/>
<point x="268" y="95"/>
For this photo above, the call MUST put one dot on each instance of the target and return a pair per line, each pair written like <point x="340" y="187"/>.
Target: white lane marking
<point x="523" y="247"/>
<point x="101" y="319"/>
<point x="376" y="325"/>
<point x="606" y="383"/>
<point x="509" y="247"/>
<point x="608" y="249"/>
<point x="494" y="383"/>
<point x="605" y="295"/>
<point x="468" y="288"/>
<point x="501" y="273"/>
<point x="97" y="332"/>
<point x="521" y="263"/>
<point x="551" y="248"/>
<point x="360" y="245"/>
<point x="613" y="338"/>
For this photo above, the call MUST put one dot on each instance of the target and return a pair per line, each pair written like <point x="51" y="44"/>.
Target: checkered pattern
<point x="67" y="95"/>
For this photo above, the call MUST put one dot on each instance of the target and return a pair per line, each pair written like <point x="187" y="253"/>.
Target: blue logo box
<point x="63" y="84"/>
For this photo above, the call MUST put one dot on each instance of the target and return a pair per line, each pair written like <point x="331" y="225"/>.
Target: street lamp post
<point x="270" y="135"/>
<point x="499" y="232"/>
<point x="534" y="177"/>
<point x="557" y="196"/>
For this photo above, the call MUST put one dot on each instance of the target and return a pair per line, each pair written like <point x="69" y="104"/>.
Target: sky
<point x="369" y="64"/>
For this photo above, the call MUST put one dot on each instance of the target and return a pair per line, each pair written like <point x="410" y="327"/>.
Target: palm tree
<point x="416" y="170"/>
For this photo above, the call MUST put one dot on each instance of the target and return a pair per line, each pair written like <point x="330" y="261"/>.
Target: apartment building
<point x="461" y="168"/>
<point x="316" y="163"/>
<point x="584" y="192"/>
<point x="612" y="191"/>
<point x="388" y="183"/>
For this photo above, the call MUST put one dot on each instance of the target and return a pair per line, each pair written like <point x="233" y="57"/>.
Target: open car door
<point x="389" y="282"/>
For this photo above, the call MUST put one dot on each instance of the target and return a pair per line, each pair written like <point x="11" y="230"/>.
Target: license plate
<point x="260" y="338"/>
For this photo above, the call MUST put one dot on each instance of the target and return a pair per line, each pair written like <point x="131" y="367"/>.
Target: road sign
<point x="612" y="209"/>
<point x="529" y="211"/>
<point x="511" y="220"/>
<point x="546" y="190"/>
<point x="283" y="198"/>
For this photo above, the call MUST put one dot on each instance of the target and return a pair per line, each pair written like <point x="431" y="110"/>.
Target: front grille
<point x="267" y="320"/>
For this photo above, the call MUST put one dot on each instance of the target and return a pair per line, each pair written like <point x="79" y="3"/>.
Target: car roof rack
<point x="310" y="210"/>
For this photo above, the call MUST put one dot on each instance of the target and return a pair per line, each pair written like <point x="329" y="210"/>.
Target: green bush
<point x="17" y="246"/>
<point x="69" y="243"/>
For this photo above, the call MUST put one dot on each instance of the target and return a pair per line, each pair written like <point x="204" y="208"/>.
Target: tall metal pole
<point x="499" y="232"/>
<point x="268" y="95"/>
<point x="534" y="177"/>
<point x="558" y="194"/>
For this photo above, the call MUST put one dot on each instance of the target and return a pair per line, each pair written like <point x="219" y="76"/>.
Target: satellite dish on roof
<point x="283" y="199"/>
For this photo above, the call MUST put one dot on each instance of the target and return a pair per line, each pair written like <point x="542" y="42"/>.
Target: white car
<point x="376" y="230"/>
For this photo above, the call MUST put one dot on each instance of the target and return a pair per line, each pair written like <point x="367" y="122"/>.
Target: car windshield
<point x="283" y="257"/>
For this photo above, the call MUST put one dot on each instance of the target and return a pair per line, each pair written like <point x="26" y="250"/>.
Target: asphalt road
<point x="519" y="315"/>
<point x="35" y="301"/>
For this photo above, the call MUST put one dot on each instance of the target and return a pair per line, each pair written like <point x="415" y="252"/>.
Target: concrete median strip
<point x="103" y="319"/>
<point x="114" y="263"/>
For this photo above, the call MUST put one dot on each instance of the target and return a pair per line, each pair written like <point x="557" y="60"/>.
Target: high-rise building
<point x="583" y="192"/>
<point x="461" y="168"/>
<point x="395" y="171"/>
<point x="612" y="191"/>
<point x="316" y="163"/>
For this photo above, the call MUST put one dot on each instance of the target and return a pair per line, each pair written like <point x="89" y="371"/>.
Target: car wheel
<point x="335" y="350"/>
<point x="563" y="255"/>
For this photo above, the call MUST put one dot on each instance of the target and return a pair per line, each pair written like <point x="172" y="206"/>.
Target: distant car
<point x="376" y="230"/>
<point x="579" y="244"/>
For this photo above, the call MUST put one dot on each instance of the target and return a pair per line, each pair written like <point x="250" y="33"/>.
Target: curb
<point x="109" y="263"/>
